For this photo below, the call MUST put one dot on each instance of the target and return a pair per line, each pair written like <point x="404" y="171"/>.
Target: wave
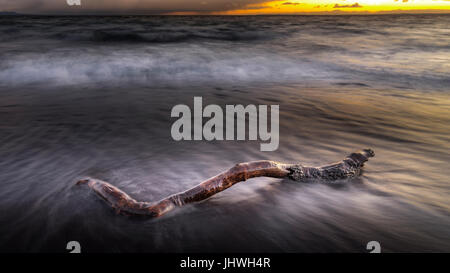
<point x="178" y="50"/>
<point x="161" y="36"/>
<point x="156" y="65"/>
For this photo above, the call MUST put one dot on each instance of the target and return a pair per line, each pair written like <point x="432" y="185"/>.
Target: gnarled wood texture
<point x="123" y="203"/>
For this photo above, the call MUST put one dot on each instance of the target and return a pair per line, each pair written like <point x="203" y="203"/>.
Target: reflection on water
<point x="84" y="105"/>
<point x="49" y="139"/>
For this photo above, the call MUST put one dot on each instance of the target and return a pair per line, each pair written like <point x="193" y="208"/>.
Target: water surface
<point x="91" y="96"/>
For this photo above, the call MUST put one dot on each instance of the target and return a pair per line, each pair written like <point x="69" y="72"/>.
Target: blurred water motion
<point x="91" y="96"/>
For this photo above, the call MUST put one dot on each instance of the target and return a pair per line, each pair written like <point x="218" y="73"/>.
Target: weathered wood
<point x="123" y="203"/>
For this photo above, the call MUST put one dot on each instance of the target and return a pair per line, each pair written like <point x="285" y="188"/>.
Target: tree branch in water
<point x="123" y="203"/>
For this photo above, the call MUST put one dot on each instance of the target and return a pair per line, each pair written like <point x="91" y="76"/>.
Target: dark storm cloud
<point x="356" y="5"/>
<point x="124" y="6"/>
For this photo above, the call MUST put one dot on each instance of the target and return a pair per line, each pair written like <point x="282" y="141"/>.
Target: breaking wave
<point x="173" y="50"/>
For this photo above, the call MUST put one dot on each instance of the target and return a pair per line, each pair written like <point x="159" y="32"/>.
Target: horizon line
<point x="343" y="13"/>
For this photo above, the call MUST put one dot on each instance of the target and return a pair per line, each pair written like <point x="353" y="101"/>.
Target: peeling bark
<point x="124" y="204"/>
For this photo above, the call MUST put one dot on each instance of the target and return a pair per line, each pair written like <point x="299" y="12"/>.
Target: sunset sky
<point x="225" y="6"/>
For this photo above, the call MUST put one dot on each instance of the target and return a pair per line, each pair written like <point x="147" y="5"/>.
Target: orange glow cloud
<point x="224" y="6"/>
<point x="343" y="6"/>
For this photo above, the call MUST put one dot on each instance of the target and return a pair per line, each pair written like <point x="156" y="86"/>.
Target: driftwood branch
<point x="123" y="203"/>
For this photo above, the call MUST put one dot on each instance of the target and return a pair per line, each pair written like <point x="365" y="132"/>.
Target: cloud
<point x="254" y="7"/>
<point x="126" y="6"/>
<point x="291" y="3"/>
<point x="356" y="5"/>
